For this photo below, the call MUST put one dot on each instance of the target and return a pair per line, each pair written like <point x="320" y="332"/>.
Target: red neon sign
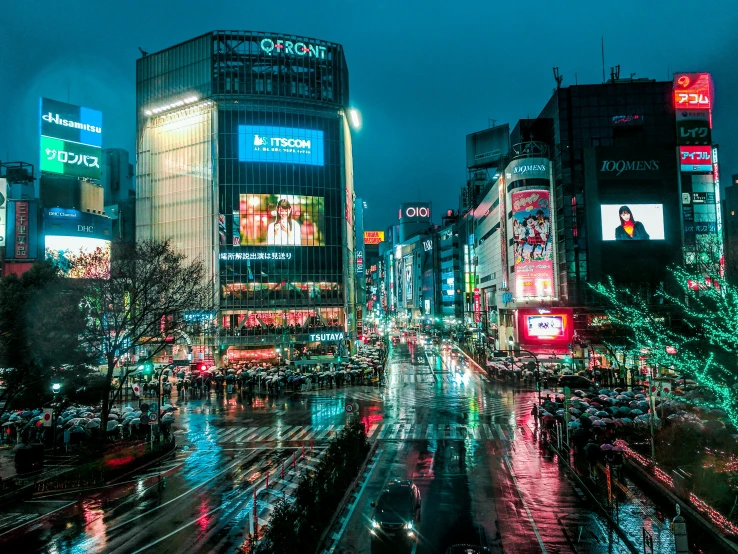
<point x="555" y="326"/>
<point x="693" y="90"/>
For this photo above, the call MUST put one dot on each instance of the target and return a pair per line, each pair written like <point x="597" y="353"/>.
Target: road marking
<point x="234" y="464"/>
<point x="525" y="506"/>
<point x="430" y="433"/>
<point x="488" y="431"/>
<point x="39" y="518"/>
<point x="355" y="503"/>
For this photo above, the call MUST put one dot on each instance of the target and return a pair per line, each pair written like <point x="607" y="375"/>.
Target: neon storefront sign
<point x="290" y="48"/>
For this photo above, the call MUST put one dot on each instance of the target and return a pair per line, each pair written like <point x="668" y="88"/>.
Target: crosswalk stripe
<point x="300" y="435"/>
<point x="325" y="432"/>
<point x="382" y="432"/>
<point x="418" y="431"/>
<point x="430" y="433"/>
<point x="488" y="431"/>
<point x="372" y="429"/>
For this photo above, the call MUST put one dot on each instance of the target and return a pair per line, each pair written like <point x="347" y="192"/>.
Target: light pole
<point x="55" y="388"/>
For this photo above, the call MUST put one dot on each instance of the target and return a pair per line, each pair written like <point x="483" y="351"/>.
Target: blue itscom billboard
<point x="69" y="122"/>
<point x="259" y="143"/>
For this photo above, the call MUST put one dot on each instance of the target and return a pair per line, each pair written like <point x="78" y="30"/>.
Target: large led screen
<point x="259" y="143"/>
<point x="281" y="220"/>
<point x="545" y="325"/>
<point x="632" y="222"/>
<point x="533" y="244"/>
<point x="72" y="255"/>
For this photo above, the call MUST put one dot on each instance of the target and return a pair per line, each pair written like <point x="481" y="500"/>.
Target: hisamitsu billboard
<point x="259" y="143"/>
<point x="69" y="122"/>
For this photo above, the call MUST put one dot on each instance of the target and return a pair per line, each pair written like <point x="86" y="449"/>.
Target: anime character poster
<point x="533" y="243"/>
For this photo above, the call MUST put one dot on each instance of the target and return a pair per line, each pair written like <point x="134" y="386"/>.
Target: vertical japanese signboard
<point x="533" y="244"/>
<point x="21" y="230"/>
<point x="3" y="211"/>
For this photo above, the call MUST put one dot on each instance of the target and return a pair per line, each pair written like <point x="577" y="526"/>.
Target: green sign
<point x="70" y="158"/>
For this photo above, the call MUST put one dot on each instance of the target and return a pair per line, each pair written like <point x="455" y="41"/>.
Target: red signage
<point x="477" y="306"/>
<point x="373" y="237"/>
<point x="695" y="159"/>
<point x="21" y="230"/>
<point x="553" y="326"/>
<point x="693" y="91"/>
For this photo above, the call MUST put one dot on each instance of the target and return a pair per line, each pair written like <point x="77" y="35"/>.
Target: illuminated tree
<point x="706" y="340"/>
<point x="137" y="299"/>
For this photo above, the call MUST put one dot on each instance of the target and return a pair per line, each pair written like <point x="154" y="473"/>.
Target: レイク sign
<point x="290" y="48"/>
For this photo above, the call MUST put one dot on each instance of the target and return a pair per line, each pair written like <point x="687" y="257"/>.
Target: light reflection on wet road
<point x="467" y="443"/>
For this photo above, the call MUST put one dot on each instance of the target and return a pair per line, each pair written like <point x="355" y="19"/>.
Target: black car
<point x="468" y="549"/>
<point x="396" y="512"/>
<point x="575" y="382"/>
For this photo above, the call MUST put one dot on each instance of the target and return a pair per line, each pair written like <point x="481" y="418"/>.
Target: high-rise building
<point x="245" y="161"/>
<point x="617" y="180"/>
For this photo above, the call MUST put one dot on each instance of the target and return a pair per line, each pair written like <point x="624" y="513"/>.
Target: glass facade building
<point x="245" y="161"/>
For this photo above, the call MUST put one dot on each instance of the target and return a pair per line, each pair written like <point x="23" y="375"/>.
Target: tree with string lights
<point x="705" y="342"/>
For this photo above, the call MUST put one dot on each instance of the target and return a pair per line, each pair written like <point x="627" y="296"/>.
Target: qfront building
<point x="245" y="162"/>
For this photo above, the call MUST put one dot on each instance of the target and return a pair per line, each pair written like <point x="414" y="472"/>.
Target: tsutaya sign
<point x="290" y="48"/>
<point x="323" y="337"/>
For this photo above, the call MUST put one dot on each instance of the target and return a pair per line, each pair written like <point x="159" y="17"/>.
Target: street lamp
<point x="55" y="388"/>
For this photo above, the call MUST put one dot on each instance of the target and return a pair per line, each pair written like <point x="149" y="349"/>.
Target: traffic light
<point x="147" y="368"/>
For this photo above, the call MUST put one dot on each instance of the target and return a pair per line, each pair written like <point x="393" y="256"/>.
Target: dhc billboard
<point x="259" y="143"/>
<point x="73" y="223"/>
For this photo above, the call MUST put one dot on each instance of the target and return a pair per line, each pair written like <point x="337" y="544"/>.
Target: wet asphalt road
<point x="482" y="474"/>
<point x="469" y="445"/>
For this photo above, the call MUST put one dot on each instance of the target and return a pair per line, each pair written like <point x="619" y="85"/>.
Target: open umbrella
<point x="112" y="425"/>
<point x="93" y="424"/>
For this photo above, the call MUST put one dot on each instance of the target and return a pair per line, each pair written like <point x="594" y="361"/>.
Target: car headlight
<point x="375" y="524"/>
<point x="409" y="525"/>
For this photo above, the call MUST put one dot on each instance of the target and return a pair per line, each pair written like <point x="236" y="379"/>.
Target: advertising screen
<point x="281" y="220"/>
<point x="259" y="143"/>
<point x="70" y="158"/>
<point x="695" y="159"/>
<point x="545" y="325"/>
<point x="533" y="244"/>
<point x="408" y="278"/>
<point x="70" y="253"/>
<point x="69" y="122"/>
<point x="632" y="222"/>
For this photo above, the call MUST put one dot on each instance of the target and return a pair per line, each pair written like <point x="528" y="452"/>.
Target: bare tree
<point x="148" y="288"/>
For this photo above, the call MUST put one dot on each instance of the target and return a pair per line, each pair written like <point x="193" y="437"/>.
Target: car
<point x="468" y="549"/>
<point x="396" y="512"/>
<point x="575" y="381"/>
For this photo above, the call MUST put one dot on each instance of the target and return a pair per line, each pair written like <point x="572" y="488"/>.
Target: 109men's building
<point x="245" y="161"/>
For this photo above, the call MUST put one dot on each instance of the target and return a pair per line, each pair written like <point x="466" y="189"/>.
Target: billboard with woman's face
<point x="281" y="220"/>
<point x="632" y="222"/>
<point x="533" y="243"/>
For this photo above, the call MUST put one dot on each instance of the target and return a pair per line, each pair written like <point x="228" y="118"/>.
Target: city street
<point x="468" y="444"/>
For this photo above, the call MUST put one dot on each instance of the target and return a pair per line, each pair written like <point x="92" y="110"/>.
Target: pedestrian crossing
<point x="381" y="432"/>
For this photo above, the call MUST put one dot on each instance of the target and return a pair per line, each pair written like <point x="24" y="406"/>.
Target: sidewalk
<point x="632" y="510"/>
<point x="7" y="462"/>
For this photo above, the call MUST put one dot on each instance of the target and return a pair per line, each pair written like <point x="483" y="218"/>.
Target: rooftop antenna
<point x="558" y="78"/>
<point x="143" y="52"/>
<point x="603" y="59"/>
<point x="491" y="122"/>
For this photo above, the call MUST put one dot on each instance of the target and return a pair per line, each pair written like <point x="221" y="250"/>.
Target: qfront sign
<point x="69" y="122"/>
<point x="277" y="46"/>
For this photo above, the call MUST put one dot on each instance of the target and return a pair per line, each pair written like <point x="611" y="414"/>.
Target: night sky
<point x="423" y="74"/>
